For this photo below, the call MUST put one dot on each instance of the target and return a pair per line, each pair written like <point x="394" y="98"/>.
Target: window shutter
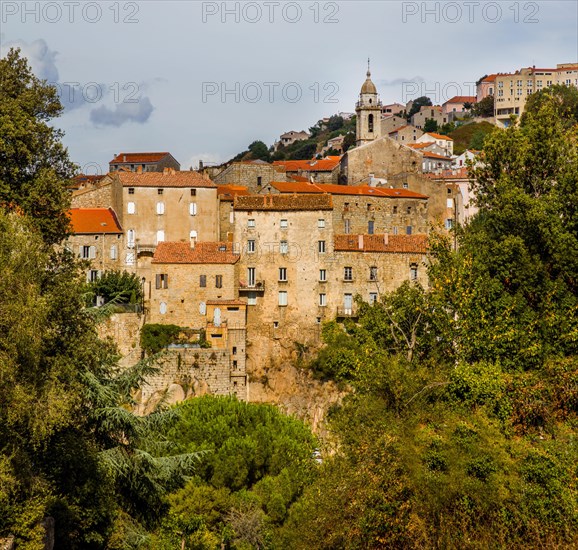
<point x="158" y="281"/>
<point x="92" y="253"/>
<point x="166" y="281"/>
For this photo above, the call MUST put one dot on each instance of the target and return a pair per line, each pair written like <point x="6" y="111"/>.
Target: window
<point x="193" y="192"/>
<point x="283" y="274"/>
<point x="162" y="280"/>
<point x="321" y="224"/>
<point x="130" y="237"/>
<point x="250" y="246"/>
<point x="405" y="185"/>
<point x="449" y="223"/>
<point x="234" y="350"/>
<point x="129" y="260"/>
<point x="348" y="274"/>
<point x="251" y="276"/>
<point x="322" y="300"/>
<point x="259" y="181"/>
<point x="395" y="229"/>
<point x="163" y="308"/>
<point x="282" y="298"/>
<point x="85" y="252"/>
<point x="283" y="224"/>
<point x="395" y="209"/>
<point x="409" y="209"/>
<point x="160" y="236"/>
<point x="408" y="230"/>
<point x="370" y="123"/>
<point x="131" y="190"/>
<point x="373" y="273"/>
<point x="252" y="299"/>
<point x="283" y="247"/>
<point x="413" y="272"/>
<point x="160" y="208"/>
<point x="251" y="223"/>
<point x="346" y="207"/>
<point x="450" y="189"/>
<point x="370" y="225"/>
<point x="372" y="297"/>
<point x="321" y="247"/>
<point x="275" y="324"/>
<point x="131" y="208"/>
<point x="193" y="208"/>
<point x="322" y="275"/>
<point x="218" y="281"/>
<point x="450" y="203"/>
<point x="347" y="226"/>
<point x="113" y="252"/>
<point x="93" y="275"/>
<point x="160" y="191"/>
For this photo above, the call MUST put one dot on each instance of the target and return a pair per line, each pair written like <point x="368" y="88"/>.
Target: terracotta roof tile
<point x="438" y="136"/>
<point x="94" y="220"/>
<point x="323" y="165"/>
<point x="284" y="202"/>
<point x="333" y="189"/>
<point x="398" y="129"/>
<point x="138" y="157"/>
<point x="409" y="244"/>
<point x="186" y="178"/>
<point x="202" y="253"/>
<point x="462" y="99"/>
<point x="301" y="179"/>
<point x="229" y="192"/>
<point x="431" y="155"/>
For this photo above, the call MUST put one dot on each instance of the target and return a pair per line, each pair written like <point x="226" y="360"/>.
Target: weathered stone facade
<point x="255" y="175"/>
<point x="383" y="158"/>
<point x="94" y="196"/>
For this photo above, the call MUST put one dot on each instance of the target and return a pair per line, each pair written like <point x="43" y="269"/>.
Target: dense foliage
<point x="460" y="430"/>
<point x="119" y="287"/>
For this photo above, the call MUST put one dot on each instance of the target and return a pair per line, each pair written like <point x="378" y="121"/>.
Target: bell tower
<point x="368" y="110"/>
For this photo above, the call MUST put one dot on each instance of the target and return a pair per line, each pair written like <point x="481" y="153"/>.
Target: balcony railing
<point x="258" y="286"/>
<point x="346" y="312"/>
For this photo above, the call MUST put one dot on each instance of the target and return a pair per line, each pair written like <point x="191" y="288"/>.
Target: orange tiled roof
<point x="420" y="145"/>
<point x="323" y="165"/>
<point x="462" y="99"/>
<point x="398" y="129"/>
<point x="94" y="220"/>
<point x="284" y="202"/>
<point x="409" y="244"/>
<point x="139" y="158"/>
<point x="301" y="179"/>
<point x="431" y="155"/>
<point x="229" y="192"/>
<point x="438" y="136"/>
<point x="226" y="303"/>
<point x="490" y="78"/>
<point x="202" y="253"/>
<point x="186" y="178"/>
<point x="333" y="189"/>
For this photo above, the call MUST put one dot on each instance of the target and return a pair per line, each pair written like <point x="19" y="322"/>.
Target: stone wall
<point x="248" y="174"/>
<point x="190" y="372"/>
<point x="124" y="329"/>
<point x="99" y="196"/>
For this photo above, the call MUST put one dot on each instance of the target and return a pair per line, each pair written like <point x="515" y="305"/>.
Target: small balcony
<point x="347" y="313"/>
<point x="257" y="286"/>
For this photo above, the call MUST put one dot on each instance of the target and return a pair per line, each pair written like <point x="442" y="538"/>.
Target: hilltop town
<point x="251" y="258"/>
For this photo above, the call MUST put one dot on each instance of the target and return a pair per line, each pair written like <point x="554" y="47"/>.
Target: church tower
<point x="368" y="110"/>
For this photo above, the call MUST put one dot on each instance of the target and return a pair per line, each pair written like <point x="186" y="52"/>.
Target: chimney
<point x="124" y="158"/>
<point x="201" y="165"/>
<point x="360" y="242"/>
<point x="166" y="170"/>
<point x="139" y="169"/>
<point x="386" y="239"/>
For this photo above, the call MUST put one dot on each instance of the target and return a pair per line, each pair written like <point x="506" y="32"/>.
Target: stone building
<point x="390" y="123"/>
<point x="288" y="138"/>
<point x="368" y="111"/>
<point x="444" y="142"/>
<point x="144" y="162"/>
<point x="154" y="207"/>
<point x="196" y="287"/>
<point x="371" y="210"/>
<point x="297" y="272"/>
<point x="226" y="194"/>
<point x="406" y="134"/>
<point x="97" y="194"/>
<point x="433" y="112"/>
<point x="316" y="170"/>
<point x="254" y="174"/>
<point x="96" y="236"/>
<point x="382" y="158"/>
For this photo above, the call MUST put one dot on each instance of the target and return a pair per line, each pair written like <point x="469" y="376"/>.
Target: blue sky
<point x="204" y="79"/>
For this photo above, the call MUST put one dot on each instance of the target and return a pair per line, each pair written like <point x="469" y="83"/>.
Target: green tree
<point x="34" y="167"/>
<point x="418" y="103"/>
<point x="485" y="107"/>
<point x="430" y="125"/>
<point x="259" y="151"/>
<point x="120" y="287"/>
